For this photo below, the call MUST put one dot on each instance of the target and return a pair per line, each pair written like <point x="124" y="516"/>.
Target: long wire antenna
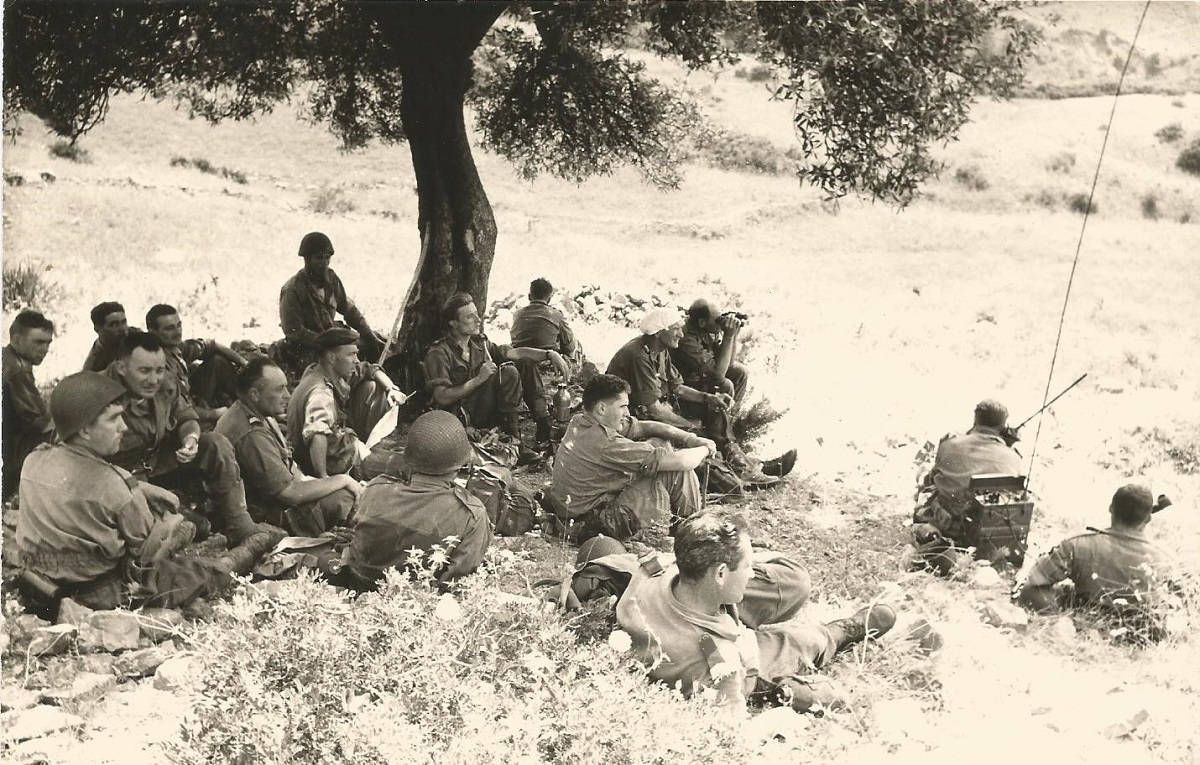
<point x="1079" y="245"/>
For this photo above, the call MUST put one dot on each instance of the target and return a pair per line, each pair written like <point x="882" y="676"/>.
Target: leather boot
<point x="231" y="505"/>
<point x="511" y="424"/>
<point x="242" y="558"/>
<point x="781" y="465"/>
<point x="542" y="433"/>
<point x="866" y="623"/>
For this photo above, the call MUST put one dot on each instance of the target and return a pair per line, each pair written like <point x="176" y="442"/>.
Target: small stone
<point x="25" y="626"/>
<point x="4" y="640"/>
<point x="35" y="722"/>
<point x="1004" y="615"/>
<point x="53" y="640"/>
<point x="588" y="306"/>
<point x="87" y="687"/>
<point x="1063" y="630"/>
<point x="96" y="663"/>
<point x="144" y="662"/>
<point x="71" y="612"/>
<point x="985" y="577"/>
<point x="178" y="673"/>
<point x="114" y="630"/>
<point x="18" y="698"/>
<point x="924" y="635"/>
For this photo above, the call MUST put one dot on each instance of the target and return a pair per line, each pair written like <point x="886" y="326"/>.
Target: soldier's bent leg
<point x="533" y="391"/>
<point x="778" y="590"/>
<point x="218" y="467"/>
<point x="739" y="377"/>
<point x="683" y="489"/>
<point x="214" y="383"/>
<point x="367" y="405"/>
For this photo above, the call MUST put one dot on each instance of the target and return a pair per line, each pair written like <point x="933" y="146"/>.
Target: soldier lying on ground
<point x="337" y="400"/>
<point x="108" y="319"/>
<point x="87" y="526"/>
<point x="26" y="422"/>
<point x="162" y="443"/>
<point x="277" y="491"/>
<point x="309" y="303"/>
<point x="657" y="392"/>
<point x="718" y="617"/>
<point x="400" y="521"/>
<point x="615" y="475"/>
<point x="1117" y="571"/>
<point x="938" y="520"/>
<point x="472" y="377"/>
<point x="205" y="370"/>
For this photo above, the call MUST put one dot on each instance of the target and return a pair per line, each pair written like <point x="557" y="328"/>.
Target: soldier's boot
<point x="511" y="424"/>
<point x="230" y="504"/>
<point x="242" y="558"/>
<point x="781" y="465"/>
<point x="542" y="432"/>
<point x="866" y="623"/>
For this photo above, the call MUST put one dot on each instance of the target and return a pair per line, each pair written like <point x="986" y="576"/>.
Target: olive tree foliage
<point x="555" y="88"/>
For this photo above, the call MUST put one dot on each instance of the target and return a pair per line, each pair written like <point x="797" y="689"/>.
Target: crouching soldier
<point x="1117" y="572"/>
<point x="615" y="474"/>
<point x="718" y="616"/>
<point x="425" y="521"/>
<point x="277" y="492"/>
<point x="86" y="527"/>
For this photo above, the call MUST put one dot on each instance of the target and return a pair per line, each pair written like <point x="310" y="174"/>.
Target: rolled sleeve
<point x="498" y="353"/>
<point x="197" y="349"/>
<point x="437" y="368"/>
<point x="320" y="414"/>
<point x="637" y="457"/>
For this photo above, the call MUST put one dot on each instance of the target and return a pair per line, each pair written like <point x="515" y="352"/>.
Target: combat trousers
<point x="214" y="383"/>
<point x="216" y="466"/>
<point x="315" y="518"/>
<point x="775" y="594"/>
<point x="498" y="398"/>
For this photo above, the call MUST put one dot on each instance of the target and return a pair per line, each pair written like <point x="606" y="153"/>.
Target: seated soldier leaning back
<point x="277" y="491"/>
<point x="615" y="474"/>
<point x="162" y="443"/>
<point x="938" y="521"/>
<point x="210" y="387"/>
<point x="657" y="390"/>
<point x="721" y="616"/>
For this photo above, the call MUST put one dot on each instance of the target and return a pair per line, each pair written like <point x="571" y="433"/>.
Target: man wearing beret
<point x="311" y="300"/>
<point x="1118" y="571"/>
<point x="276" y="490"/>
<point x="91" y="528"/>
<point x="162" y="442"/>
<point x="336" y="403"/>
<point x="469" y="374"/>
<point x="657" y="391"/>
<point x="424" y="520"/>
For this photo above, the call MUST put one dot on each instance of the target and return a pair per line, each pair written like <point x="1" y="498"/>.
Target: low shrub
<point x="1150" y="206"/>
<point x="1081" y="204"/>
<point x="1172" y="133"/>
<point x="70" y="150"/>
<point x="26" y="285"/>
<point x="331" y="200"/>
<point x="1189" y="158"/>
<point x="740" y="152"/>
<point x="1063" y="163"/>
<point x="204" y="166"/>
<point x="756" y="73"/>
<point x="971" y="177"/>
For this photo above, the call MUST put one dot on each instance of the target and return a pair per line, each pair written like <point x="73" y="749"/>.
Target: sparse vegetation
<point x="971" y="177"/>
<point x="331" y="200"/>
<point x="1063" y="162"/>
<point x="1081" y="204"/>
<point x="730" y="150"/>
<point x="70" y="150"/>
<point x="1150" y="206"/>
<point x="1189" y="158"/>
<point x="755" y="73"/>
<point x="27" y="285"/>
<point x="1172" y="133"/>
<point x="204" y="166"/>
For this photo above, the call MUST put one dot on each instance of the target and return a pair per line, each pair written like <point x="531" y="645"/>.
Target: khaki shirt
<point x="651" y="376"/>
<point x="101" y="355"/>
<point x="262" y="455"/>
<point x="977" y="452"/>
<point x="307" y="309"/>
<point x="537" y="325"/>
<point x="446" y="366"/>
<point x="1107" y="565"/>
<point x="594" y="463"/>
<point x="695" y="357"/>
<point x="26" y="419"/>
<point x="149" y="421"/>
<point x="80" y="516"/>
<point x="398" y="523"/>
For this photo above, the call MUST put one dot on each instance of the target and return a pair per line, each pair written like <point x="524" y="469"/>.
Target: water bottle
<point x="562" y="403"/>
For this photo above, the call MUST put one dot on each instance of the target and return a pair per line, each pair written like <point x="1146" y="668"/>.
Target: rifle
<point x="1012" y="435"/>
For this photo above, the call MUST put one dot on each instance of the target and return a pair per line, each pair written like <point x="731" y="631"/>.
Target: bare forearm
<point x="664" y="414"/>
<point x="684" y="459"/>
<point x="318" y="453"/>
<point x="301" y="492"/>
<point x="446" y="394"/>
<point x="229" y="354"/>
<point x="677" y="436"/>
<point x="724" y="355"/>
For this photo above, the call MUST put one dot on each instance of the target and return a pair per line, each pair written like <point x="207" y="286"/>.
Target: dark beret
<point x="335" y="337"/>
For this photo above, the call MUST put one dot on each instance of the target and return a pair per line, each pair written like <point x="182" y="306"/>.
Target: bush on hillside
<point x="1150" y="206"/>
<point x="406" y="675"/>
<point x="1189" y="158"/>
<point x="971" y="177"/>
<point x="1081" y="204"/>
<point x="26" y="285"/>
<point x="1062" y="162"/>
<point x="331" y="200"/>
<point x="756" y="73"/>
<point x="204" y="166"/>
<point x="1172" y="133"/>
<point x="729" y="150"/>
<point x="70" y="150"/>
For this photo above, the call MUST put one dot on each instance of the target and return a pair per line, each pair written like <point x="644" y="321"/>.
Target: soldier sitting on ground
<point x="939" y="519"/>
<point x="616" y="475"/>
<point x="87" y="528"/>
<point x="26" y="422"/>
<point x="162" y="442"/>
<point x="205" y="370"/>
<point x="337" y="402"/>
<point x="277" y="491"/>
<point x="539" y="325"/>
<point x="400" y="521"/>
<point x="720" y="616"/>
<point x="111" y="325"/>
<point x="473" y="377"/>
<point x="657" y="392"/>
<point x="1118" y="571"/>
